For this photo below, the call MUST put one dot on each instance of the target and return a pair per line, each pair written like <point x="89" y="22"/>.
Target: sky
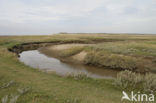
<point x="27" y="17"/>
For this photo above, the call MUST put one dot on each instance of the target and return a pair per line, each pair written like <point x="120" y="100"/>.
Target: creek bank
<point x="36" y="59"/>
<point x="57" y="51"/>
<point x="53" y="49"/>
<point x="66" y="53"/>
<point x="35" y="45"/>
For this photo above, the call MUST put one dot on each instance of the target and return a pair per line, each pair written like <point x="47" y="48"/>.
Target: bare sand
<point x="54" y="50"/>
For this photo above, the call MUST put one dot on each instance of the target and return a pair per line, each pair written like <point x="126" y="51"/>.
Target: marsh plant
<point x="105" y="59"/>
<point x="7" y="84"/>
<point x="79" y="76"/>
<point x="128" y="78"/>
<point x="146" y="82"/>
<point x="149" y="82"/>
<point x="12" y="98"/>
<point x="75" y="100"/>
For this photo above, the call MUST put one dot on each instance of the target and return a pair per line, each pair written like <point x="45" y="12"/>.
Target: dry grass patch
<point x="70" y="52"/>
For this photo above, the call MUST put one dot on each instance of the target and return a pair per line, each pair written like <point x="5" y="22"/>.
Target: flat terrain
<point x="122" y="52"/>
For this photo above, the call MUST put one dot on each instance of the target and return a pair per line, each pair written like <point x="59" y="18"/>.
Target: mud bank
<point x="57" y="50"/>
<point x="36" y="59"/>
<point x="54" y="49"/>
<point x="27" y="46"/>
<point x="35" y="45"/>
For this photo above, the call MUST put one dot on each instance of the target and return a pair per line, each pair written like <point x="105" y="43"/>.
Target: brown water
<point x="36" y="59"/>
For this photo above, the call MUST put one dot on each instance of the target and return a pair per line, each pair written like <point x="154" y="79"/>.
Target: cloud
<point x="46" y="16"/>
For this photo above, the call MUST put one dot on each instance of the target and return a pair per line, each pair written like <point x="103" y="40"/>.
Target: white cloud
<point x="78" y="15"/>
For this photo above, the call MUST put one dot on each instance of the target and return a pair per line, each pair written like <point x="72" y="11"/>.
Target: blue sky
<point x="21" y="17"/>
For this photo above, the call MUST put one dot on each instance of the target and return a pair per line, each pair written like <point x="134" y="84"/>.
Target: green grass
<point x="130" y="54"/>
<point x="50" y="88"/>
<point x="113" y="61"/>
<point x="134" y="48"/>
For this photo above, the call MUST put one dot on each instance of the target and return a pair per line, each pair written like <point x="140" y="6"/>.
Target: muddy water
<point x="36" y="59"/>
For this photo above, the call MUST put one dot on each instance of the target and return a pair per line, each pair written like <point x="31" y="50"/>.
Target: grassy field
<point x="132" y="50"/>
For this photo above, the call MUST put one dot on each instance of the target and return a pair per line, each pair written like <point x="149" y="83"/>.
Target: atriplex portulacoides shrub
<point x="79" y="76"/>
<point x="146" y="82"/>
<point x="149" y="82"/>
<point x="103" y="59"/>
<point x="12" y="98"/>
<point x="7" y="84"/>
<point x="128" y="78"/>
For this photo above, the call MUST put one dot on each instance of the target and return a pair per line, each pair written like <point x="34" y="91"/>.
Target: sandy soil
<point x="54" y="50"/>
<point x="80" y="56"/>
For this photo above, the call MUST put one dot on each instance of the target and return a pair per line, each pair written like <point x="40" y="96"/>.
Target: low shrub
<point x="128" y="79"/>
<point x="149" y="82"/>
<point x="13" y="97"/>
<point x="111" y="60"/>
<point x="146" y="83"/>
<point x="7" y="84"/>
<point x="79" y="76"/>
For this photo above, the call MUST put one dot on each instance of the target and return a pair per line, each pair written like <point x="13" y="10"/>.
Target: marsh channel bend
<point x="36" y="59"/>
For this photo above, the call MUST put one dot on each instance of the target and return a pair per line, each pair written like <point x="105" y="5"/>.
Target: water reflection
<point x="36" y="59"/>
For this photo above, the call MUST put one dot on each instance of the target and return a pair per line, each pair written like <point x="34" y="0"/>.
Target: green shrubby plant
<point x="5" y="99"/>
<point x="7" y="84"/>
<point x="149" y="82"/>
<point x="126" y="78"/>
<point x="79" y="76"/>
<point x="128" y="48"/>
<point x="99" y="58"/>
<point x="12" y="98"/>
